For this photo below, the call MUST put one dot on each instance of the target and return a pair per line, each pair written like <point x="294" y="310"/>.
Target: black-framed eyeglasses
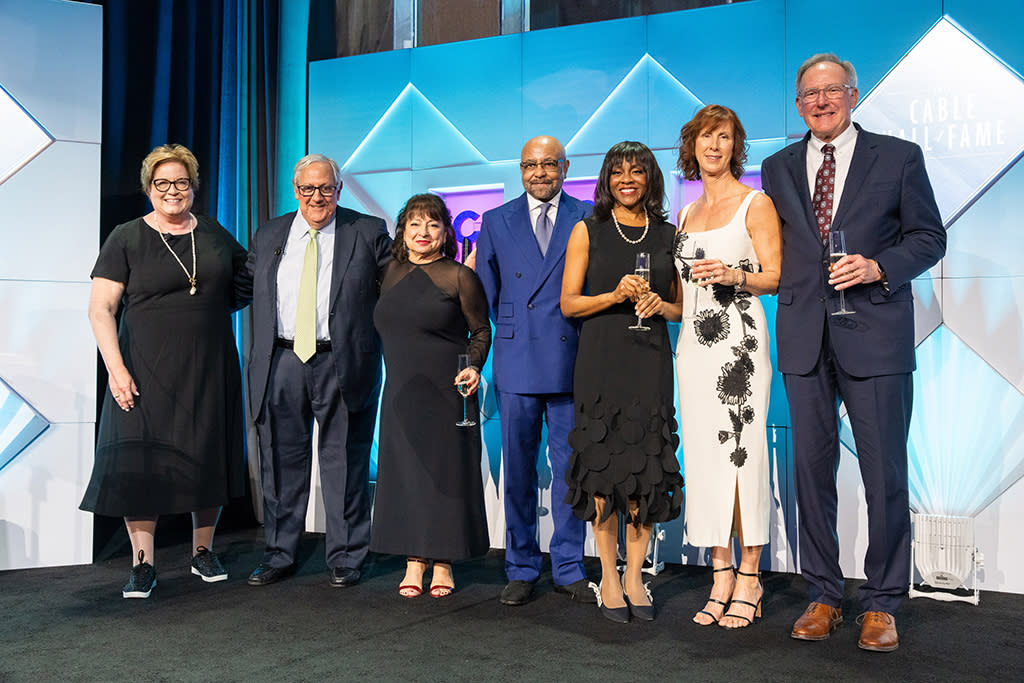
<point x="548" y="165"/>
<point x="833" y="91"/>
<point x="308" y="190"/>
<point x="180" y="184"/>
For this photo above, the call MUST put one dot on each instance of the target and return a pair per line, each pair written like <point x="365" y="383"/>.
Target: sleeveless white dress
<point x="724" y="377"/>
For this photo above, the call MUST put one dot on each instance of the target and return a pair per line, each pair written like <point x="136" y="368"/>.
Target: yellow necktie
<point x="305" y="314"/>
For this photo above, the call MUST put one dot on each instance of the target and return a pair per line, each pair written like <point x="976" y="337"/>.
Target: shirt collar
<point x="843" y="143"/>
<point x="532" y="202"/>
<point x="300" y="227"/>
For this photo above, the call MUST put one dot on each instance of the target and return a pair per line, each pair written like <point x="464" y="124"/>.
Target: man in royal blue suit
<point x="315" y="356"/>
<point x="875" y="189"/>
<point x="520" y="258"/>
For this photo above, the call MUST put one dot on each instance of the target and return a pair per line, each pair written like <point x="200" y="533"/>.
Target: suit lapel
<point x="517" y="219"/>
<point x="797" y="165"/>
<point x="864" y="157"/>
<point x="344" y="245"/>
<point x="564" y="223"/>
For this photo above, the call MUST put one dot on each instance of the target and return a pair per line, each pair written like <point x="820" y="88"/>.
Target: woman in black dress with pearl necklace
<point x="624" y="443"/>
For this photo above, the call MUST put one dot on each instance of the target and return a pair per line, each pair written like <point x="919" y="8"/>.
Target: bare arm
<point x="104" y="298"/>
<point x="574" y="303"/>
<point x="766" y="235"/>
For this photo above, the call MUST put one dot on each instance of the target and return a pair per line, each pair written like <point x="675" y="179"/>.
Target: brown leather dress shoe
<point x="878" y="632"/>
<point x="817" y="622"/>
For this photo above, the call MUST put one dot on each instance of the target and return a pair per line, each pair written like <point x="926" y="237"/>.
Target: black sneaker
<point x="141" y="580"/>
<point x="207" y="565"/>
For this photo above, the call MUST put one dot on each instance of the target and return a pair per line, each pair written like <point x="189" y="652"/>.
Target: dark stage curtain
<point x="203" y="74"/>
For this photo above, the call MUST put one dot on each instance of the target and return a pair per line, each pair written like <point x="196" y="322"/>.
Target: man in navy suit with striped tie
<point x="520" y="258"/>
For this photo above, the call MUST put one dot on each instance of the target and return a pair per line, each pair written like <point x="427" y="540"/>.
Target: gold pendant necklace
<point x="192" y="232"/>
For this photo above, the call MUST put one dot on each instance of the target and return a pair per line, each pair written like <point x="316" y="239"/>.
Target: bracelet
<point x="743" y="281"/>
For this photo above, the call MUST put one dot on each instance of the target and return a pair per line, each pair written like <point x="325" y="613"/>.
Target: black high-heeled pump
<point x="725" y="605"/>
<point x="620" y="615"/>
<point x="757" y="607"/>
<point x="641" y="612"/>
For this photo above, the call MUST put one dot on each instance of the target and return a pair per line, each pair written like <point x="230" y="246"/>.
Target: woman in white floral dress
<point x="728" y="251"/>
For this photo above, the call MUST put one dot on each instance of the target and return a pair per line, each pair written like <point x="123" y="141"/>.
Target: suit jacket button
<point x="519" y="274"/>
<point x="563" y="338"/>
<point x="821" y="299"/>
<point x="529" y="306"/>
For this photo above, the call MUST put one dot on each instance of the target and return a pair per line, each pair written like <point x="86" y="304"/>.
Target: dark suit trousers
<point x="879" y="410"/>
<point x="298" y="393"/>
<point x="522" y="418"/>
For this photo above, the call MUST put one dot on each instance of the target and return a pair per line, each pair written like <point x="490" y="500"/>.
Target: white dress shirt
<point x="844" y="144"/>
<point x="534" y="205"/>
<point x="289" y="273"/>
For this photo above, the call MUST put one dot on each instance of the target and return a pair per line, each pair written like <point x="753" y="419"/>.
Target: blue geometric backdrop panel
<point x="730" y="56"/>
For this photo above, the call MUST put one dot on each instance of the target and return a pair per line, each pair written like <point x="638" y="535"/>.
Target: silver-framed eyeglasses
<point x="308" y="190"/>
<point x="549" y="165"/>
<point x="833" y="91"/>
<point x="180" y="184"/>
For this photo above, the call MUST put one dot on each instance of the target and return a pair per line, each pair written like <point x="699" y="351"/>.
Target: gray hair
<point x="311" y="159"/>
<point x="851" y="73"/>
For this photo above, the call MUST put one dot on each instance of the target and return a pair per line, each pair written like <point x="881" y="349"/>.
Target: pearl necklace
<point x="192" y="232"/>
<point x="647" y="225"/>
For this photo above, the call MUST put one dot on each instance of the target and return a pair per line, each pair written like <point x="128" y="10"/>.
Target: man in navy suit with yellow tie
<point x="875" y="189"/>
<point x="520" y="258"/>
<point x="315" y="356"/>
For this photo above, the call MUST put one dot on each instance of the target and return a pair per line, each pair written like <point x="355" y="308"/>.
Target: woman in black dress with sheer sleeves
<point x="429" y="503"/>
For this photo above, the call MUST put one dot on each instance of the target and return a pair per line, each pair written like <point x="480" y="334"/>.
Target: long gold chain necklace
<point x="192" y="232"/>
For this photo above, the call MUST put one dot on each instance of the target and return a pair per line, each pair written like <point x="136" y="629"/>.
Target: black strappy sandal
<point x="725" y="605"/>
<point x="757" y="607"/>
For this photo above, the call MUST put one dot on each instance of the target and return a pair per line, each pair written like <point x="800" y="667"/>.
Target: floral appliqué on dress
<point x="711" y="327"/>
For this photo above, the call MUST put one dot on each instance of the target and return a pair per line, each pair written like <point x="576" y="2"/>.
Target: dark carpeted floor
<point x="72" y="624"/>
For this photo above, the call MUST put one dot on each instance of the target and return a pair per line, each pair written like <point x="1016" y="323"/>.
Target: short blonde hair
<point x="163" y="154"/>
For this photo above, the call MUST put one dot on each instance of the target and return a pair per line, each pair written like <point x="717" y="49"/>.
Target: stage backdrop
<point x="50" y="86"/>
<point x="452" y="118"/>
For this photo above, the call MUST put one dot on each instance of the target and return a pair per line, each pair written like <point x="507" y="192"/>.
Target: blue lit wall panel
<point x="45" y="42"/>
<point x="435" y="141"/>
<point x="731" y="55"/>
<point x="669" y="101"/>
<point x="998" y="21"/>
<point x="343" y="111"/>
<point x="482" y="96"/>
<point x="51" y="64"/>
<point x="569" y="72"/>
<point x="988" y="222"/>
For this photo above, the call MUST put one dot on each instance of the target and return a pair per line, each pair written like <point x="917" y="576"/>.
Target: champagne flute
<point x="643" y="271"/>
<point x="463" y="388"/>
<point x="836" y="251"/>
<point x="698" y="255"/>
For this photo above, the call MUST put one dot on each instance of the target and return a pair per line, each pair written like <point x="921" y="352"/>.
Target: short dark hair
<point x="637" y="154"/>
<point x="434" y="208"/>
<point x="711" y="116"/>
